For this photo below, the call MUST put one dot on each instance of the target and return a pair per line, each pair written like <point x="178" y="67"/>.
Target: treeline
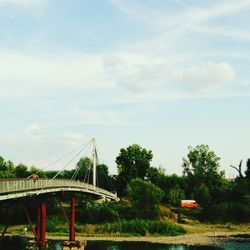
<point x="82" y="171"/>
<point x="9" y="170"/>
<point x="220" y="199"/>
<point x="143" y="187"/>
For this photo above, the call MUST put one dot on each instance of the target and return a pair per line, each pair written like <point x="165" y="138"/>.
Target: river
<point x="17" y="243"/>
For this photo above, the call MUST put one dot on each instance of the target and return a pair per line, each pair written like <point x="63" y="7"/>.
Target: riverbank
<point x="189" y="239"/>
<point x="197" y="234"/>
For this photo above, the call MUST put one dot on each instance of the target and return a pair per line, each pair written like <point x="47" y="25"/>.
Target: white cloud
<point x="152" y="65"/>
<point x="33" y="129"/>
<point x="167" y="76"/>
<point x="205" y="78"/>
<point x="175" y="24"/>
<point x="138" y="73"/>
<point x="25" y="71"/>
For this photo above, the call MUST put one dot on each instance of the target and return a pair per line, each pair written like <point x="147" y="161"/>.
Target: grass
<point x="98" y="230"/>
<point x="141" y="228"/>
<point x="198" y="227"/>
<point x="120" y="228"/>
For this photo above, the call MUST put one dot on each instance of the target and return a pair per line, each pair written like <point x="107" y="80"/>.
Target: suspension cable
<point x="60" y="158"/>
<point x="78" y="167"/>
<point x="61" y="170"/>
<point x="111" y="185"/>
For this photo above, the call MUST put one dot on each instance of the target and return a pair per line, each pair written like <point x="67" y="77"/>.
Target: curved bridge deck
<point x="17" y="188"/>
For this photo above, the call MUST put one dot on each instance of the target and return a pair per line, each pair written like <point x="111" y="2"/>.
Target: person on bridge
<point x="34" y="177"/>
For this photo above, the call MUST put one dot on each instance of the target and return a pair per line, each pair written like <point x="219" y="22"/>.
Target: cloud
<point x="205" y="78"/>
<point x="161" y="63"/>
<point x="33" y="129"/>
<point x="136" y="72"/>
<point x="26" y="71"/>
<point x="174" y="24"/>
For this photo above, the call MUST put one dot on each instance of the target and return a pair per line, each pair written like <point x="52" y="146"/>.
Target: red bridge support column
<point x="43" y="225"/>
<point x="38" y="222"/>
<point x="72" y="243"/>
<point x="72" y="222"/>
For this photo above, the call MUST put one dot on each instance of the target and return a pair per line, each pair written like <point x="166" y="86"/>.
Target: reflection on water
<point x="17" y="243"/>
<point x="102" y="245"/>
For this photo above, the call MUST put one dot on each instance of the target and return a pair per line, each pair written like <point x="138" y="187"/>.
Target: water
<point x="17" y="243"/>
<point x="140" y="246"/>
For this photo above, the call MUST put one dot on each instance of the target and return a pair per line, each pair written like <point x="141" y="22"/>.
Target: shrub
<point x="140" y="228"/>
<point x="227" y="212"/>
<point x="56" y="224"/>
<point x="145" y="199"/>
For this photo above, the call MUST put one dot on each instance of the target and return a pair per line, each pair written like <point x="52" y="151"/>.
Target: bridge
<point x="12" y="189"/>
<point x="18" y="188"/>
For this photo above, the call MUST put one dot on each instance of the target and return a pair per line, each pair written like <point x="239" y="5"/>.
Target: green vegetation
<point x="145" y="198"/>
<point x="132" y="162"/>
<point x="141" y="228"/>
<point x="149" y="197"/>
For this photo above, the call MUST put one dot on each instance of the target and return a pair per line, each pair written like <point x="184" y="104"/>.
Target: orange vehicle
<point x="189" y="203"/>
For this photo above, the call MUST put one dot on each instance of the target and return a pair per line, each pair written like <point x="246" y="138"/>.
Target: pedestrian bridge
<point x="18" y="188"/>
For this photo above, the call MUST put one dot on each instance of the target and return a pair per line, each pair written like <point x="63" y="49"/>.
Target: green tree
<point x="201" y="169"/>
<point x="84" y="172"/>
<point x="104" y="180"/>
<point x="39" y="172"/>
<point x="157" y="176"/>
<point x="84" y="169"/>
<point x="7" y="169"/>
<point x="132" y="162"/>
<point x="175" y="195"/>
<point x="21" y="171"/>
<point x="145" y="198"/>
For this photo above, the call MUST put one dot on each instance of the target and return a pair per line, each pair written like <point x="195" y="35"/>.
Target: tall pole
<point x="94" y="162"/>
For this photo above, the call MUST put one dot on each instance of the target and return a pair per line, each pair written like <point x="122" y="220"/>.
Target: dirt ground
<point x="198" y="234"/>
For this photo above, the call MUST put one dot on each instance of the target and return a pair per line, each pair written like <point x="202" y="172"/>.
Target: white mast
<point x="94" y="162"/>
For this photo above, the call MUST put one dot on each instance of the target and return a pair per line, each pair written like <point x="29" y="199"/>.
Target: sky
<point x="165" y="74"/>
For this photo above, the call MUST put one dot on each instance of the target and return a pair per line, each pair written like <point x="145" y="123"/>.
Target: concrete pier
<point x="74" y="245"/>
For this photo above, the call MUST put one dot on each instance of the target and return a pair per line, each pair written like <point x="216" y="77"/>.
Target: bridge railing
<point x="20" y="185"/>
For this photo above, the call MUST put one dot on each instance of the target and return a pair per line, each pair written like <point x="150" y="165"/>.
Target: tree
<point x="21" y="171"/>
<point x="248" y="169"/>
<point x="84" y="172"/>
<point x="132" y="162"/>
<point x="157" y="176"/>
<point x="175" y="195"/>
<point x="238" y="169"/>
<point x="84" y="169"/>
<point x="39" y="172"/>
<point x="7" y="169"/>
<point x="104" y="180"/>
<point x="201" y="168"/>
<point x="145" y="198"/>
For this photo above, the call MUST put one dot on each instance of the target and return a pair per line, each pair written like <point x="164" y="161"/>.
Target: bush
<point x="145" y="198"/>
<point x="141" y="228"/>
<point x="56" y="224"/>
<point x="227" y="212"/>
<point x="97" y="212"/>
